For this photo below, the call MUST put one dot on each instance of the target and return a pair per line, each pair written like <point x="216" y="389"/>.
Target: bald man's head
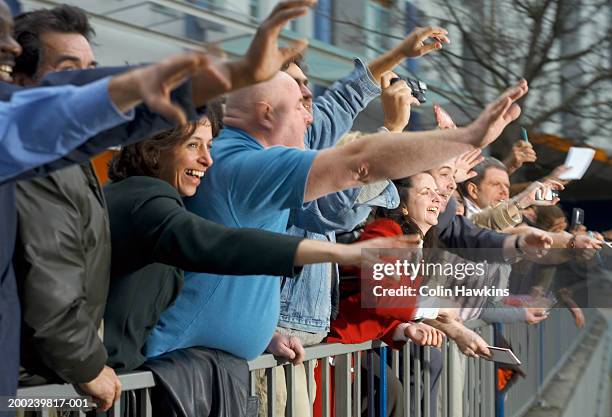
<point x="271" y="111"/>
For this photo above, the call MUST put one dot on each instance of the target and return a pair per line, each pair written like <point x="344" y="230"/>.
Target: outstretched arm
<point x="335" y="111"/>
<point x="80" y="113"/>
<point x="398" y="155"/>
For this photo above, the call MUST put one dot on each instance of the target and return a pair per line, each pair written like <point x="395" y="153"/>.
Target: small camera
<point x="577" y="218"/>
<point x="550" y="195"/>
<point x="419" y="88"/>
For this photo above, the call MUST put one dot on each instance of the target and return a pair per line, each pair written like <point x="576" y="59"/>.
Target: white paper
<point x="578" y="160"/>
<point x="606" y="248"/>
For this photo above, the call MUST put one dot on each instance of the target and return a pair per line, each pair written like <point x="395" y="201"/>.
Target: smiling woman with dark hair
<point x="154" y="238"/>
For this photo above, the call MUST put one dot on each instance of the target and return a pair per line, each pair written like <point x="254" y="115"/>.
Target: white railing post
<point x="290" y="378"/>
<point x="342" y="386"/>
<point x="357" y="385"/>
<point x="271" y="394"/>
<point x="325" y="389"/>
<point x="417" y="381"/>
<point x="427" y="381"/>
<point x="406" y="377"/>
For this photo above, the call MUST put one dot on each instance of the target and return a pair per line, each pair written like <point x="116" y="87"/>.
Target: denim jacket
<point x="306" y="300"/>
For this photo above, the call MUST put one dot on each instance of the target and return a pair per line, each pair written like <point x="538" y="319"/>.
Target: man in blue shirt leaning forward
<point x="254" y="182"/>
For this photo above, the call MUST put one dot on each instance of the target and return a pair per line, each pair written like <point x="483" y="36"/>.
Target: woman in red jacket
<point x="392" y="320"/>
<point x="416" y="215"/>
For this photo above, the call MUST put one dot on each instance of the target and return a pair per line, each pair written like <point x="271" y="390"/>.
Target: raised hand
<point x="443" y="119"/>
<point x="264" y="57"/>
<point x="465" y="163"/>
<point x="496" y="116"/>
<point x="153" y="84"/>
<point x="396" y="100"/>
<point x="528" y="198"/>
<point x="556" y="173"/>
<point x="522" y="152"/>
<point x="414" y="44"/>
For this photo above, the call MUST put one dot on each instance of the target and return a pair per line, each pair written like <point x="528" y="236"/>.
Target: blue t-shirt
<point x="247" y="186"/>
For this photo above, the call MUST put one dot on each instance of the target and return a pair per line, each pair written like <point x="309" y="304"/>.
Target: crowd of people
<point x="215" y="239"/>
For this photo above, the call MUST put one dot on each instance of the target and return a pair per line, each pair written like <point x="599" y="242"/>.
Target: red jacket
<point x="355" y="324"/>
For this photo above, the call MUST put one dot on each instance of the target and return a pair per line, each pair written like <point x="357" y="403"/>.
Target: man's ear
<point x="404" y="210"/>
<point x="264" y="114"/>
<point x="472" y="190"/>
<point x="23" y="80"/>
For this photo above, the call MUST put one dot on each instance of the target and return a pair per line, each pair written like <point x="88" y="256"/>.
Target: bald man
<point x="254" y="182"/>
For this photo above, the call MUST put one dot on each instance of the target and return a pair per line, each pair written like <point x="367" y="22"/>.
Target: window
<point x="411" y="19"/>
<point x="322" y="22"/>
<point x="379" y="23"/>
<point x="254" y="8"/>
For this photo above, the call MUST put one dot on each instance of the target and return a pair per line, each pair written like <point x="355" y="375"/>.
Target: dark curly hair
<point x="142" y="158"/>
<point x="297" y="60"/>
<point x="214" y="113"/>
<point x="409" y="227"/>
<point x="30" y="26"/>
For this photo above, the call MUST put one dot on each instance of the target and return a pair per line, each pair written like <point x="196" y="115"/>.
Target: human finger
<point x="425" y="49"/>
<point x="484" y="351"/>
<point x="434" y="338"/>
<point x="117" y="390"/>
<point x="174" y="70"/>
<point x="300" y="353"/>
<point x="106" y="402"/>
<point x="516" y="91"/>
<point x="468" y="352"/>
<point x="431" y="31"/>
<point x="412" y="101"/>
<point x="286" y="352"/>
<point x="283" y="5"/>
<point x="294" y="49"/>
<point x="411" y="239"/>
<point x="474" y="154"/>
<point x="554" y="184"/>
<point x="163" y="106"/>
<point x="283" y="12"/>
<point x="385" y="79"/>
<point x="500" y="108"/>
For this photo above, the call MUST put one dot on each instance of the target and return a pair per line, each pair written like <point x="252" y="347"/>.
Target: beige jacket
<point x="498" y="217"/>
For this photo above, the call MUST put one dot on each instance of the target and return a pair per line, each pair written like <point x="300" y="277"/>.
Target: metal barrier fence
<point x="348" y="360"/>
<point x="416" y="367"/>
<point x="542" y="348"/>
<point x="136" y="391"/>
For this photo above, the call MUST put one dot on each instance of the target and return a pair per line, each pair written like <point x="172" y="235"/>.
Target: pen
<point x="524" y="134"/>
<point x="599" y="261"/>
